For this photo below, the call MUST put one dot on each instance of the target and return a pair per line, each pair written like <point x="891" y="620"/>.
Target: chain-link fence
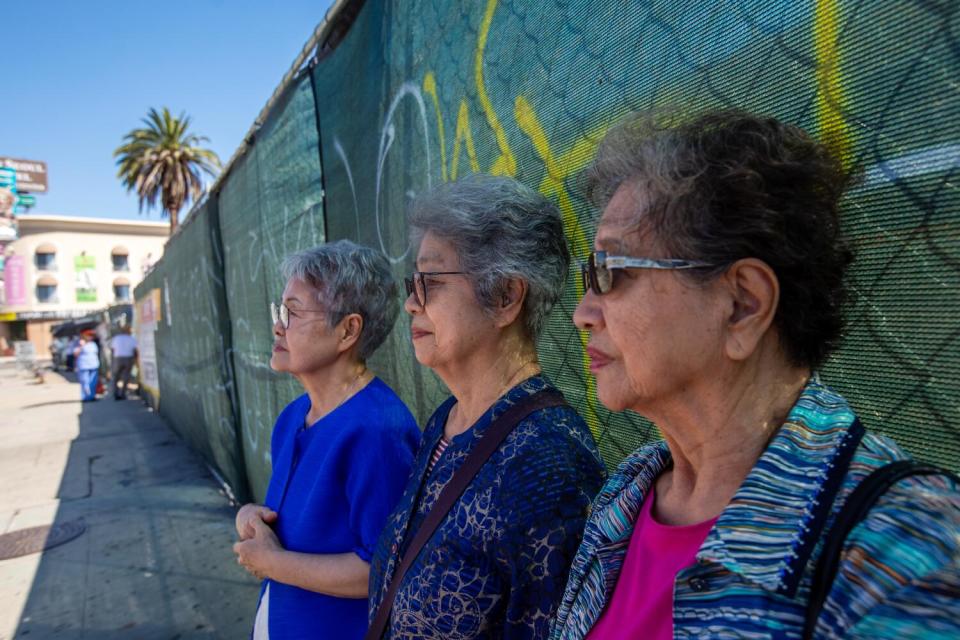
<point x="424" y="92"/>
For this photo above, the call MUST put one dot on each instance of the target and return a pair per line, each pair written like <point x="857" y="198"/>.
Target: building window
<point x="120" y="257"/>
<point x="46" y="257"/>
<point x="47" y="290"/>
<point x="121" y="290"/>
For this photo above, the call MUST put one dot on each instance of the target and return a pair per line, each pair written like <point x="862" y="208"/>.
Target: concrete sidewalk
<point x="155" y="559"/>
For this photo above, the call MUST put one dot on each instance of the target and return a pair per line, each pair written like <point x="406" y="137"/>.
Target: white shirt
<point x="123" y="345"/>
<point x="261" y="625"/>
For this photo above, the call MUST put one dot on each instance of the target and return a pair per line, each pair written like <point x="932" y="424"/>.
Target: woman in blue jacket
<point x="341" y="452"/>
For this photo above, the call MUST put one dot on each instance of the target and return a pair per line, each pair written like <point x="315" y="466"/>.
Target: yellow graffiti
<point x="430" y="86"/>
<point x="505" y="164"/>
<point x="465" y="135"/>
<point x="557" y="169"/>
<point x="831" y="98"/>
<point x="552" y="186"/>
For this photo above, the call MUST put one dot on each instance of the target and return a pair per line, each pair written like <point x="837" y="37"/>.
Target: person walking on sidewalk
<point x="123" y="348"/>
<point x="88" y="366"/>
<point x="341" y="452"/>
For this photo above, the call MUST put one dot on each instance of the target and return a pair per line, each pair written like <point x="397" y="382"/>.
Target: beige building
<point x="63" y="267"/>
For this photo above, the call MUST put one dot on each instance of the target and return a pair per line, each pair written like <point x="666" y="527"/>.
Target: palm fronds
<point x="163" y="161"/>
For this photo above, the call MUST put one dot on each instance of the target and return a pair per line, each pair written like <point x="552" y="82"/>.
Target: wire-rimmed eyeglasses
<point x="281" y="313"/>
<point x="597" y="271"/>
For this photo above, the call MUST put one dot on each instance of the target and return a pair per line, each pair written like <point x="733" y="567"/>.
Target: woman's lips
<point x="598" y="359"/>
<point x="418" y="333"/>
<point x="278" y="349"/>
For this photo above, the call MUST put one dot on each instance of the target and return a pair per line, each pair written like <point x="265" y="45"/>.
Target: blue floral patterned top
<point x="497" y="564"/>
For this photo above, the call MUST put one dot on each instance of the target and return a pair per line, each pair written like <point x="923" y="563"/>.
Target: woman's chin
<point x="613" y="399"/>
<point x="423" y="356"/>
<point x="278" y="361"/>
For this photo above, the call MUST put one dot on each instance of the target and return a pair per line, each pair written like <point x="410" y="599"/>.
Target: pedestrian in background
<point x="341" y="452"/>
<point x="88" y="365"/>
<point x="123" y="349"/>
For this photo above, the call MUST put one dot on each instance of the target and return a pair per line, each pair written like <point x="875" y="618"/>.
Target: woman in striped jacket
<point x="714" y="293"/>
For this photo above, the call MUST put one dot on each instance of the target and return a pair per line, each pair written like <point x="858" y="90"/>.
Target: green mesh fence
<point x="418" y="94"/>
<point x="193" y="344"/>
<point x="424" y="93"/>
<point x="272" y="206"/>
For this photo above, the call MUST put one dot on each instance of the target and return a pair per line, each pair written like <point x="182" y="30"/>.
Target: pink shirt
<point x="642" y="602"/>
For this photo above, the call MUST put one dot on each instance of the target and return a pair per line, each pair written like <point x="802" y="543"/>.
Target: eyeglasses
<point x="416" y="284"/>
<point x="281" y="313"/>
<point x="597" y="273"/>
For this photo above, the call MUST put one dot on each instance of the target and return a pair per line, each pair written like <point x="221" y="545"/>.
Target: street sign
<point x="31" y="174"/>
<point x="24" y="200"/>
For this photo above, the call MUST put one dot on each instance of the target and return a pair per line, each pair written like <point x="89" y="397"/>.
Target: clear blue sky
<point x="79" y="75"/>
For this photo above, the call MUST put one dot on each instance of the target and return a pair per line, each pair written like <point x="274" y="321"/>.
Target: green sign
<point x="8" y="178"/>
<point x="24" y="200"/>
<point x="85" y="282"/>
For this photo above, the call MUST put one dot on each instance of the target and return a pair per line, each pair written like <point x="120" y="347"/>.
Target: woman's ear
<point x="348" y="331"/>
<point x="510" y="303"/>
<point x="754" y="293"/>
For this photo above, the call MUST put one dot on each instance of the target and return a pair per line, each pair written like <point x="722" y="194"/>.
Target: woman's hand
<point x="250" y="512"/>
<point x="256" y="553"/>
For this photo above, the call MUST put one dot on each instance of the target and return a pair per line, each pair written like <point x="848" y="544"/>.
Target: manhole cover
<point x="36" y="539"/>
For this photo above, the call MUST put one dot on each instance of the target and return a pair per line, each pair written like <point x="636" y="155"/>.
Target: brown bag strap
<point x="491" y="439"/>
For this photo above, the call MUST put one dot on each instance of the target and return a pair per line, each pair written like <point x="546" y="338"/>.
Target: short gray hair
<point x="726" y="185"/>
<point x="501" y="229"/>
<point x="349" y="279"/>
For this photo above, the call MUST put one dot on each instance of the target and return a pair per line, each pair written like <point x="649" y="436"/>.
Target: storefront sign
<point x="15" y="280"/>
<point x="85" y="270"/>
<point x="146" y="317"/>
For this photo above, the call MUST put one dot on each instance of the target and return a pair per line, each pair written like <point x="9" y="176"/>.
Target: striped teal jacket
<point x="900" y="570"/>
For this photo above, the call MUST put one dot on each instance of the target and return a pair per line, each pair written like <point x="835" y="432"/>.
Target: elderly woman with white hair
<point x="481" y="542"/>
<point x="341" y="452"/>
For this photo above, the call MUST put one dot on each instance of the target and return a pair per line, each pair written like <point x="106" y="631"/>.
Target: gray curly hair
<point x="350" y="278"/>
<point x="501" y="229"/>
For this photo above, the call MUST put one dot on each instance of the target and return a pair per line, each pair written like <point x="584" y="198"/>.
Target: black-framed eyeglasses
<point x="416" y="285"/>
<point x="597" y="272"/>
<point x="281" y="313"/>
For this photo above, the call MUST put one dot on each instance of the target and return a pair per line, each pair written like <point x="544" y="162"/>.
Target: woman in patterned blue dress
<point x="492" y="262"/>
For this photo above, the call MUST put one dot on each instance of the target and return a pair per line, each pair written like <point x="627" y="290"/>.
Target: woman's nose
<point x="411" y="305"/>
<point x="587" y="315"/>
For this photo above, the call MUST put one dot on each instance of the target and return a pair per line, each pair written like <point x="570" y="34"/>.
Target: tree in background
<point x="163" y="160"/>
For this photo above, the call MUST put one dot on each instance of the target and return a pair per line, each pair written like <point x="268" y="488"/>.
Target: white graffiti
<point x="387" y="137"/>
<point x="353" y="190"/>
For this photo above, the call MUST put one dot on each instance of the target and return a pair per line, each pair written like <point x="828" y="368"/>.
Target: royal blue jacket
<point x="333" y="487"/>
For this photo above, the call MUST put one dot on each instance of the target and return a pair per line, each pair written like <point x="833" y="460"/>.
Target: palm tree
<point x="163" y="160"/>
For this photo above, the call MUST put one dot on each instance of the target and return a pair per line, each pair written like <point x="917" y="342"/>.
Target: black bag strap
<point x="495" y="434"/>
<point x="854" y="510"/>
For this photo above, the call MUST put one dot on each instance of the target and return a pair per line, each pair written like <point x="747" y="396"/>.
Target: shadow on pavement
<point x="155" y="560"/>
